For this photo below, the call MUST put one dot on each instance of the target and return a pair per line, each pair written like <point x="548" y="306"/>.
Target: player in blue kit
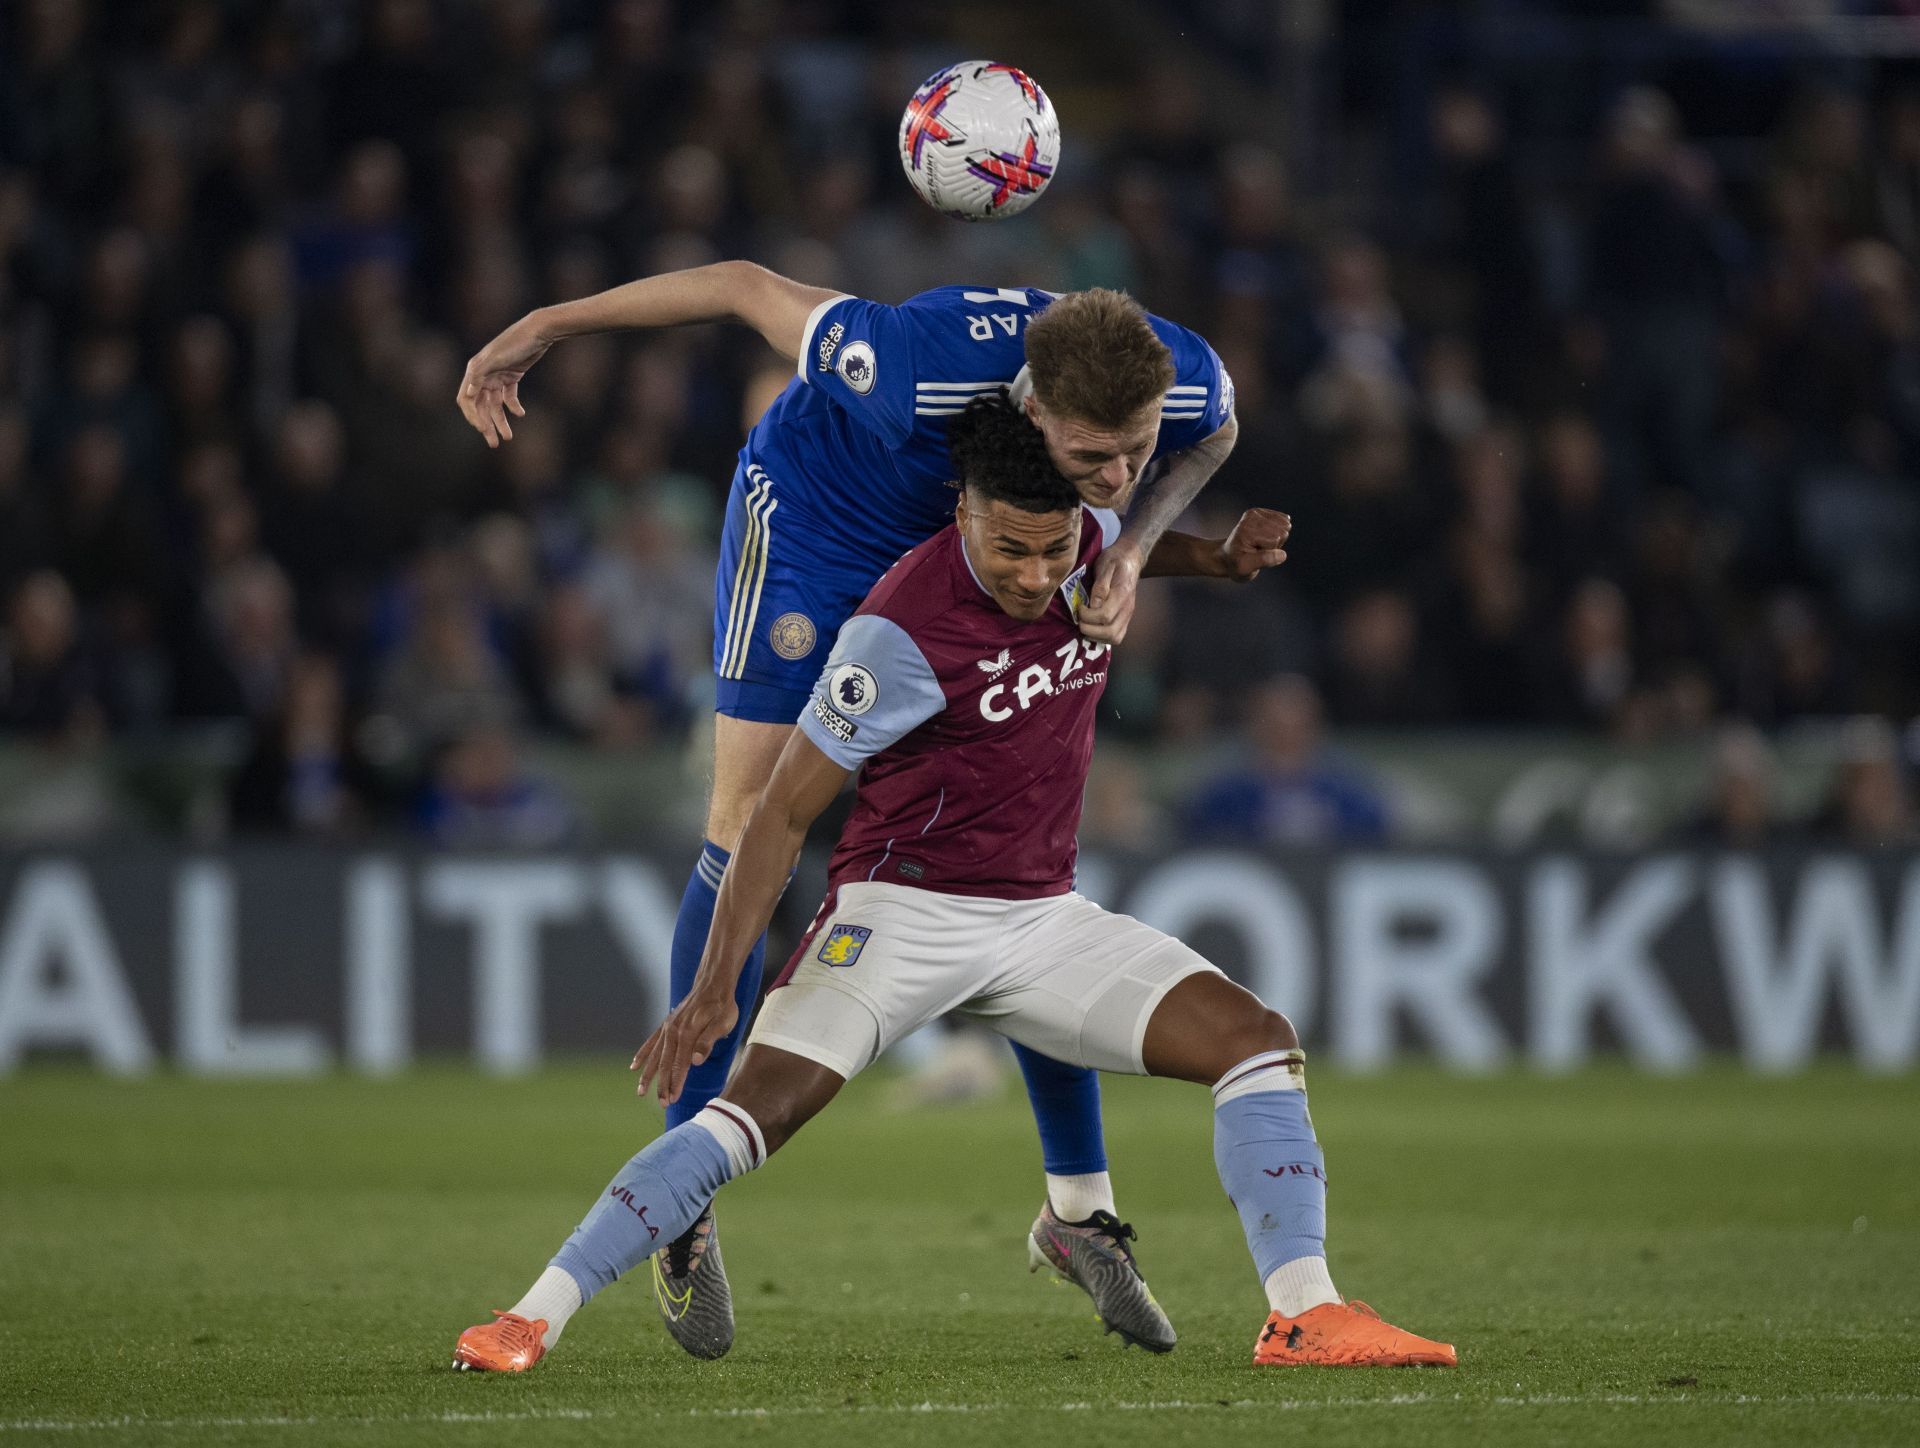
<point x="845" y="472"/>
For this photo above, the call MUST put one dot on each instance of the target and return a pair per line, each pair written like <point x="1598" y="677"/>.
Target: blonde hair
<point x="1094" y="357"/>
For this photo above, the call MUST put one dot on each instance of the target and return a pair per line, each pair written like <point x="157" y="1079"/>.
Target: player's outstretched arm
<point x="1110" y="601"/>
<point x="1258" y="540"/>
<point x="804" y="783"/>
<point x="735" y="291"/>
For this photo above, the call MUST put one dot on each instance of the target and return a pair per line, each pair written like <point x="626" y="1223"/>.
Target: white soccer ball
<point x="979" y="141"/>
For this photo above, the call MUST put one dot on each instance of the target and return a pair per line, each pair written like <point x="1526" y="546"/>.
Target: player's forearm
<point x="756" y="878"/>
<point x="736" y="291"/>
<point x="1181" y="555"/>
<point x="1161" y="503"/>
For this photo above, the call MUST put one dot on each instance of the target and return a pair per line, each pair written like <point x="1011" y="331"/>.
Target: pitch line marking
<point x="1284" y="1405"/>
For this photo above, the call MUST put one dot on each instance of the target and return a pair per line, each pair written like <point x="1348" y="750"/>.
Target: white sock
<point x="738" y="1134"/>
<point x="1295" y="1286"/>
<point x="1075" y="1198"/>
<point x="554" y="1296"/>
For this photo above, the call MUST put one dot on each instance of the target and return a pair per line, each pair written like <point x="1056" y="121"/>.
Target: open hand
<point x="491" y="387"/>
<point x="684" y="1040"/>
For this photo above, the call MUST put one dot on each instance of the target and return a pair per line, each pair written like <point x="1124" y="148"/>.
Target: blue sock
<point x="1066" y="1108"/>
<point x="1269" y="1161"/>
<point x="651" y="1200"/>
<point x="709" y="1078"/>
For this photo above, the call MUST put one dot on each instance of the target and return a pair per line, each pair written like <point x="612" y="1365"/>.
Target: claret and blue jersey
<point x="848" y="469"/>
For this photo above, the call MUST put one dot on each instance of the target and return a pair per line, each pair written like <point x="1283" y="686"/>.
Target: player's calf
<point x="652" y="1200"/>
<point x="1272" y="1167"/>
<point x="666" y="1189"/>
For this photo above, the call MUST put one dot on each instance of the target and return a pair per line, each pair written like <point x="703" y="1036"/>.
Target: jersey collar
<point x="1021" y="388"/>
<point x="960" y="546"/>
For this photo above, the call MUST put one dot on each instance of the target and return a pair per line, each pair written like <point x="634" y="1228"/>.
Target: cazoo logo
<point x="1036" y="680"/>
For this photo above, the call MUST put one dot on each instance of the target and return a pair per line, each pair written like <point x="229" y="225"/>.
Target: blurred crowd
<point x="1633" y="449"/>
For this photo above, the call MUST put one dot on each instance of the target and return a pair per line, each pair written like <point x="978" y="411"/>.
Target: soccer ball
<point x="979" y="141"/>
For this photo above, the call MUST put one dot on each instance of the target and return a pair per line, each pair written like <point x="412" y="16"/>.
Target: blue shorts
<point x="783" y="588"/>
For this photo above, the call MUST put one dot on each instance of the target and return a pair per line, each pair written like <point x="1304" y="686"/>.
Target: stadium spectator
<point x="1591" y="680"/>
<point x="577" y="694"/>
<point x="1870" y="803"/>
<point x="1119" y="813"/>
<point x="47" y="691"/>
<point x="312" y="525"/>
<point x="650" y="585"/>
<point x="1739" y="812"/>
<point x="1574" y="531"/>
<point x="26" y="541"/>
<point x="301" y="777"/>
<point x="1479" y="270"/>
<point x="1656" y="286"/>
<point x="1292" y="791"/>
<point x="444" y="679"/>
<point x="1377" y="674"/>
<point x="482" y="795"/>
<point x="247" y="645"/>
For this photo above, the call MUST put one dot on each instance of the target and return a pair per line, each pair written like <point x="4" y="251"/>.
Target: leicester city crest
<point x="793" y="635"/>
<point x="844" y="944"/>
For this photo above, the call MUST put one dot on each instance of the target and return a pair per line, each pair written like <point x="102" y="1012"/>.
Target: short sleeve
<point x="876" y="689"/>
<point x="860" y="354"/>
<point x="1201" y="398"/>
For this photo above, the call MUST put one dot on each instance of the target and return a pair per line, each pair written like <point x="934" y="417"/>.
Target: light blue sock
<point x="1269" y="1161"/>
<point x="653" y="1199"/>
<point x="690" y="930"/>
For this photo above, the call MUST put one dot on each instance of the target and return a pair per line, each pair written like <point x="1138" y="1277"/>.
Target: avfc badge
<point x="856" y="367"/>
<point x="792" y="635"/>
<point x="844" y="944"/>
<point x="1074" y="591"/>
<point x="853" y="688"/>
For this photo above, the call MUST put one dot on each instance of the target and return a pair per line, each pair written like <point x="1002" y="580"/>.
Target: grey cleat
<point x="1095" y="1256"/>
<point x="690" y="1284"/>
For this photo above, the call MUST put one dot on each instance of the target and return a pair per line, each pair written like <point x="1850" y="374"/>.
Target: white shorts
<point x="1060" y="975"/>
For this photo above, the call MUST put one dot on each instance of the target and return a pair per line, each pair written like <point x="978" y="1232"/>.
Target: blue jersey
<point x="848" y="469"/>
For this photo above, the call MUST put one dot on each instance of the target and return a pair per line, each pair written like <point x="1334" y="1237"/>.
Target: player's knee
<point x="727" y="814"/>
<point x="782" y="1093"/>
<point x="1256" y="1032"/>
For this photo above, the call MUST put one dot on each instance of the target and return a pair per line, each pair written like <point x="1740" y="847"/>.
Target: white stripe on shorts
<point x="749" y="574"/>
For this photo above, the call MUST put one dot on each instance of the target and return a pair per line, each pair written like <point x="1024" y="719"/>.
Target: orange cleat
<point x="1345" y="1335"/>
<point x="508" y="1344"/>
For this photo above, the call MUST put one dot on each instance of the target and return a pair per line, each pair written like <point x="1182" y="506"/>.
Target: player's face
<point x="1104" y="463"/>
<point x="1021" y="558"/>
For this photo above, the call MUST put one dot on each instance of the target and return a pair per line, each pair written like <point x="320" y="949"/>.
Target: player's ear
<point x="960" y="508"/>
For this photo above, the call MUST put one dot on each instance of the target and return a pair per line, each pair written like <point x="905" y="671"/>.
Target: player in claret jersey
<point x="845" y="472"/>
<point x="964" y="694"/>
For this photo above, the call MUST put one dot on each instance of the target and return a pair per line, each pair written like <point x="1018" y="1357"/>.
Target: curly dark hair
<point x="1000" y="454"/>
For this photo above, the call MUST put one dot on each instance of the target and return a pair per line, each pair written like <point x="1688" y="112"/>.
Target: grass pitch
<point x="1712" y="1259"/>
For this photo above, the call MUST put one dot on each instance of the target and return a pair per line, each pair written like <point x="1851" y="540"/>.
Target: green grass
<point x="1712" y="1259"/>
